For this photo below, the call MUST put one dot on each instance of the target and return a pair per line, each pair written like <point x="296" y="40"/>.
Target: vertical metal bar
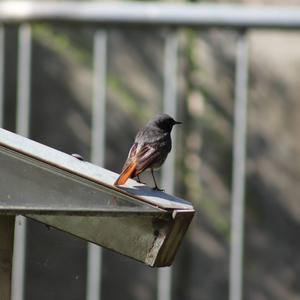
<point x="23" y="89"/>
<point x="2" y="52"/>
<point x="99" y="100"/>
<point x="98" y="152"/>
<point x="168" y="171"/>
<point x="170" y="103"/>
<point x="7" y="224"/>
<point x="239" y="164"/>
<point x="22" y="127"/>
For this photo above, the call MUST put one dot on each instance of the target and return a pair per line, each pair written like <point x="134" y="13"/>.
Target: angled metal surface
<point x="78" y="197"/>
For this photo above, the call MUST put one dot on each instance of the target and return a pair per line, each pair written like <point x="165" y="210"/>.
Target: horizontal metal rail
<point x="132" y="13"/>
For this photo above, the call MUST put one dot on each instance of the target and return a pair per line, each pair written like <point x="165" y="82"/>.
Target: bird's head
<point x="164" y="122"/>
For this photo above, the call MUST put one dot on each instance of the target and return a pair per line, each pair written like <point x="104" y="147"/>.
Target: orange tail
<point x="126" y="173"/>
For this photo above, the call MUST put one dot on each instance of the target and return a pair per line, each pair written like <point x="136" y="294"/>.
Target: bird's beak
<point x="177" y="122"/>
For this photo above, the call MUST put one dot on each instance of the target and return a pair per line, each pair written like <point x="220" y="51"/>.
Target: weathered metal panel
<point x="132" y="236"/>
<point x="78" y="197"/>
<point x="32" y="186"/>
<point x="86" y="171"/>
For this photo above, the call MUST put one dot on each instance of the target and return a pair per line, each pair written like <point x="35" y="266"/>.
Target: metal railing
<point x="173" y="16"/>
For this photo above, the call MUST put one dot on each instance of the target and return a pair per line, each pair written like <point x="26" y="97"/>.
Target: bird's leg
<point x="156" y="187"/>
<point x="139" y="180"/>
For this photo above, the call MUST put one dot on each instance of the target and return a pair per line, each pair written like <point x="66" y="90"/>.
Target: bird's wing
<point x="144" y="157"/>
<point x="139" y="159"/>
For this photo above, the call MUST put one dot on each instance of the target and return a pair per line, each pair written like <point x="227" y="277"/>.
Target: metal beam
<point x="53" y="187"/>
<point x="157" y="14"/>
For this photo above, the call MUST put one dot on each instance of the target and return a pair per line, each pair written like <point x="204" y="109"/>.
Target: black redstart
<point x="151" y="147"/>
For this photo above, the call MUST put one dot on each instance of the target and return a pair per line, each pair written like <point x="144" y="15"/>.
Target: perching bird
<point x="151" y="147"/>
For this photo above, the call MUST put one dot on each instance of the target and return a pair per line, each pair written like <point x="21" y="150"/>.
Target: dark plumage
<point x="151" y="147"/>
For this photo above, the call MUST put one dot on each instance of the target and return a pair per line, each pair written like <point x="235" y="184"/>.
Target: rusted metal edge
<point x="167" y="243"/>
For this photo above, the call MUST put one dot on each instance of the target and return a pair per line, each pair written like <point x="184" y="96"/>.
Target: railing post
<point x="2" y="53"/>
<point x="239" y="166"/>
<point x="22" y="127"/>
<point x="7" y="223"/>
<point x="94" y="267"/>
<point x="168" y="171"/>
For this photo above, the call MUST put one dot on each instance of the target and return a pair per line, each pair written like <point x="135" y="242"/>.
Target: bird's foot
<point x="48" y="226"/>
<point x="139" y="181"/>
<point x="156" y="188"/>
